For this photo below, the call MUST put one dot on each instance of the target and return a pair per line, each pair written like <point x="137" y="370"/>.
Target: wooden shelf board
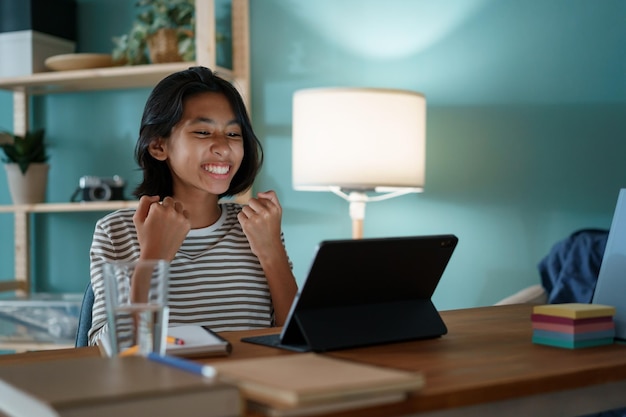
<point x="20" y="347"/>
<point x="68" y="207"/>
<point x="122" y="77"/>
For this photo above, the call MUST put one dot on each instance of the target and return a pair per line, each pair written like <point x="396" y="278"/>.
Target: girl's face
<point x="205" y="148"/>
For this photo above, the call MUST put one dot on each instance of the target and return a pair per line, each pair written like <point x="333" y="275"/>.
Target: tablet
<point x="366" y="292"/>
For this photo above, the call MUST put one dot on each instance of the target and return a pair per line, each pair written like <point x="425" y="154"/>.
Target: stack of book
<point x="573" y="325"/>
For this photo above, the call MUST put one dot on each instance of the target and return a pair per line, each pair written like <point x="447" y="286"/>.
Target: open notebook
<point x="366" y="292"/>
<point x="196" y="341"/>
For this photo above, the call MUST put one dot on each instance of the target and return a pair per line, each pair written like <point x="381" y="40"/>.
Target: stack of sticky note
<point x="573" y="325"/>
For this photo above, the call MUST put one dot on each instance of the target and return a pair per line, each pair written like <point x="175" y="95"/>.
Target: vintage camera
<point x="101" y="189"/>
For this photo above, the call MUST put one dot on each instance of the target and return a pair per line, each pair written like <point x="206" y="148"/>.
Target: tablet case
<point x="367" y="292"/>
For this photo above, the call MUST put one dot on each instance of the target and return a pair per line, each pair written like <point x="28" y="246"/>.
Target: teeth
<point x="217" y="169"/>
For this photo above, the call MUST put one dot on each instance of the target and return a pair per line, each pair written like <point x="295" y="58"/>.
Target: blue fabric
<point x="84" y="318"/>
<point x="570" y="270"/>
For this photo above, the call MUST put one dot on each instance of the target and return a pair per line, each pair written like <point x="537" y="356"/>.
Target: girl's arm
<point x="161" y="229"/>
<point x="261" y="222"/>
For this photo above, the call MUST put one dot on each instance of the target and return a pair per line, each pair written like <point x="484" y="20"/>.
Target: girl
<point x="228" y="266"/>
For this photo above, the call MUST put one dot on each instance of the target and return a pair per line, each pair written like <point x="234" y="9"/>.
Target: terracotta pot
<point x="29" y="188"/>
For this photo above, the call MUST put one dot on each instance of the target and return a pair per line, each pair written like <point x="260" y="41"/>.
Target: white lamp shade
<point x="358" y="139"/>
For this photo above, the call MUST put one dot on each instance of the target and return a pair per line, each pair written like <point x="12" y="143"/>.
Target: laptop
<point x="611" y="285"/>
<point x="366" y="292"/>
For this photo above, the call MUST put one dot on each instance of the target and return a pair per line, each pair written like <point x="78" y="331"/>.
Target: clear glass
<point x="138" y="326"/>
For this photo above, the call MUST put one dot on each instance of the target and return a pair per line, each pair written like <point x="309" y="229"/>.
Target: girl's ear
<point x="157" y="149"/>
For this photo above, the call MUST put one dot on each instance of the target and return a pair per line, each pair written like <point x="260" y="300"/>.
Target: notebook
<point x="314" y="384"/>
<point x="611" y="284"/>
<point x="197" y="341"/>
<point x="366" y="292"/>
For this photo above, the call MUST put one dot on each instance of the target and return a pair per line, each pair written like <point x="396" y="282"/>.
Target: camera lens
<point x="100" y="193"/>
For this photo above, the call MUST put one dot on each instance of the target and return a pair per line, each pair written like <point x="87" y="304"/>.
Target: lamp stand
<point x="357" y="200"/>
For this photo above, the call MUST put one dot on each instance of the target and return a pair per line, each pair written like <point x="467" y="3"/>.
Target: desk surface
<point x="487" y="356"/>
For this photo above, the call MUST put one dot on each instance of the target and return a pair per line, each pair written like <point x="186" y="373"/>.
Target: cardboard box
<point x="24" y="52"/>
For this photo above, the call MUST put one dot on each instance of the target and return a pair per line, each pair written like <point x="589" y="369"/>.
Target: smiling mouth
<point x="217" y="169"/>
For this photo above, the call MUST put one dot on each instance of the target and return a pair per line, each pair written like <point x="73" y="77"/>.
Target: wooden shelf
<point x="21" y="347"/>
<point x="69" y="207"/>
<point x="21" y="213"/>
<point x="122" y="77"/>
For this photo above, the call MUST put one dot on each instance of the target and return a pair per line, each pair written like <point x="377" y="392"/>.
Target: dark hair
<point x="164" y="109"/>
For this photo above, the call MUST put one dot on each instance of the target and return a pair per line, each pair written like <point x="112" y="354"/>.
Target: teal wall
<point x="525" y="128"/>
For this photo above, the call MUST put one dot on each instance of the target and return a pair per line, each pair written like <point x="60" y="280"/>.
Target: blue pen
<point x="183" y="364"/>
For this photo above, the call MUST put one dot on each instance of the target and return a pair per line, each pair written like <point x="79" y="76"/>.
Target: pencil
<point x="175" y="340"/>
<point x="133" y="350"/>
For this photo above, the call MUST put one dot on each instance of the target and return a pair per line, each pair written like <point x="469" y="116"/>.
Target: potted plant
<point x="162" y="32"/>
<point x="25" y="163"/>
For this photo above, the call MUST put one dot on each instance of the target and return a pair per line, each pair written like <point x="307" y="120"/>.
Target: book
<point x="297" y="381"/>
<point x="197" y="341"/>
<point x="575" y="310"/>
<point x="333" y="406"/>
<point x="131" y="386"/>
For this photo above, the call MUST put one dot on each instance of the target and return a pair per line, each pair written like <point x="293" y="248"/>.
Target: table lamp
<point x="355" y="141"/>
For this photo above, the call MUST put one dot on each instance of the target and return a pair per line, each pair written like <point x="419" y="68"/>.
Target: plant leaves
<point x="26" y="150"/>
<point x="153" y="15"/>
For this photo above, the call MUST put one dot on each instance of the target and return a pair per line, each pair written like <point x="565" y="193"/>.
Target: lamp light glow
<point x="351" y="141"/>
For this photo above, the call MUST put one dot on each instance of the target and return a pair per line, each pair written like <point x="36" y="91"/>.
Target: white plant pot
<point x="29" y="188"/>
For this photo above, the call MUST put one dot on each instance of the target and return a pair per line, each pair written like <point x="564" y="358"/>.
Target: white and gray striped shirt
<point x="215" y="280"/>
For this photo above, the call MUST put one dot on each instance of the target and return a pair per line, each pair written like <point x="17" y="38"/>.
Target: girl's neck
<point x="203" y="212"/>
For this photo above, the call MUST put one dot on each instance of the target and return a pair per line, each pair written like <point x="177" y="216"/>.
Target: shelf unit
<point x="126" y="77"/>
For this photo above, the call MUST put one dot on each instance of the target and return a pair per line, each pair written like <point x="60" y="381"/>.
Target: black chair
<point x="84" y="319"/>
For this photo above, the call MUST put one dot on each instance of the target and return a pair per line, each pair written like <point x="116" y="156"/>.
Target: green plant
<point x="25" y="150"/>
<point x="132" y="47"/>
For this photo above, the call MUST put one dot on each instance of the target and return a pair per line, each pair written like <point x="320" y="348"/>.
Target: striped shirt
<point x="214" y="280"/>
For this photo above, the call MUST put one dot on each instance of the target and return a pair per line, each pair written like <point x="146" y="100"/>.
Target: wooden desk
<point x="485" y="365"/>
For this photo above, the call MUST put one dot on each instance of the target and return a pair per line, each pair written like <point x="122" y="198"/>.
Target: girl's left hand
<point x="260" y="221"/>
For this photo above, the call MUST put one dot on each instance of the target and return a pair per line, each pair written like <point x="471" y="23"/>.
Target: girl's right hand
<point x="161" y="227"/>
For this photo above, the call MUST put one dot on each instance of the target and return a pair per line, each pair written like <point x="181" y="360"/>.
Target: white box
<point x="24" y="52"/>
